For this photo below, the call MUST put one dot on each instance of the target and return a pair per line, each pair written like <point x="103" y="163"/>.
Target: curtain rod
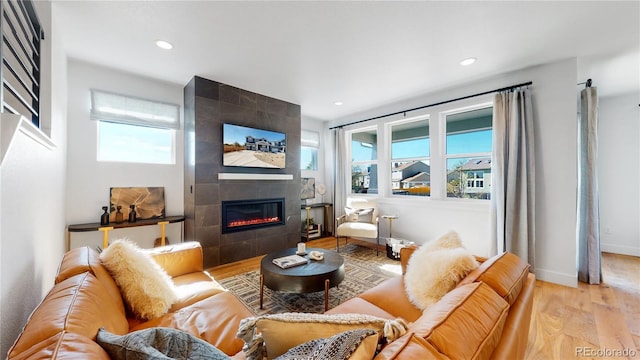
<point x="434" y="104"/>
<point x="586" y="83"/>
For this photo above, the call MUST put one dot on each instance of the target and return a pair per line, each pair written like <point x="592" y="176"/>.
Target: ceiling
<point x="364" y="54"/>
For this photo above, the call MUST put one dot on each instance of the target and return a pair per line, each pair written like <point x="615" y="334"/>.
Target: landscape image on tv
<point x="249" y="147"/>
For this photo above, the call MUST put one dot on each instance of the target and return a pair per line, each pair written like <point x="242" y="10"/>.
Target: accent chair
<point x="360" y="220"/>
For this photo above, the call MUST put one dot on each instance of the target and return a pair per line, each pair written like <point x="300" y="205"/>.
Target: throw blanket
<point x="336" y="347"/>
<point x="254" y="343"/>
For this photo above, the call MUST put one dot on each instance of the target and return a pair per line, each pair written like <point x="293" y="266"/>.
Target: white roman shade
<point x="124" y="109"/>
<point x="310" y="138"/>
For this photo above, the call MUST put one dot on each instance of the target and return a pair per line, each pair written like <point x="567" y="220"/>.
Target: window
<point x="422" y="158"/>
<point x="138" y="144"/>
<point x="364" y="162"/>
<point x="310" y="142"/>
<point x="133" y="129"/>
<point x="410" y="166"/>
<point x="468" y="153"/>
<point x="20" y="49"/>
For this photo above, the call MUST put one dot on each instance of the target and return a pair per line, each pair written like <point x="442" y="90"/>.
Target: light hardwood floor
<point x="568" y="323"/>
<point x="591" y="319"/>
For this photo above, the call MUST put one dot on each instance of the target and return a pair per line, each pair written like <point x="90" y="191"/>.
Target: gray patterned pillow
<point x="337" y="347"/>
<point x="157" y="344"/>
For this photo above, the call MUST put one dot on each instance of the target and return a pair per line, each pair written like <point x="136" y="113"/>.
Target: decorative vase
<point x="104" y="219"/>
<point x="132" y="213"/>
<point x="119" y="215"/>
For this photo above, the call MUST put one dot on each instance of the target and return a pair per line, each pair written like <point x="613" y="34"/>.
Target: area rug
<point x="363" y="270"/>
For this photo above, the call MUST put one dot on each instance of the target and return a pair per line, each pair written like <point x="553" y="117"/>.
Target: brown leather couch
<point x="486" y="316"/>
<point x="85" y="298"/>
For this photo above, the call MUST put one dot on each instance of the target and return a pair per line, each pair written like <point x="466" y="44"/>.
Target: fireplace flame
<point x="254" y="221"/>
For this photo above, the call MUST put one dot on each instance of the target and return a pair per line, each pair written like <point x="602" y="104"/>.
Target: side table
<point x="394" y="245"/>
<point x="390" y="218"/>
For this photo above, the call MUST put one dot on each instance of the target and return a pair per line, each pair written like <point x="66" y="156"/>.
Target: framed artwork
<point x="308" y="189"/>
<point x="148" y="201"/>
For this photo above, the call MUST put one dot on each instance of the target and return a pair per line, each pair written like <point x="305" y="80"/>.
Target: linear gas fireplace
<point x="243" y="215"/>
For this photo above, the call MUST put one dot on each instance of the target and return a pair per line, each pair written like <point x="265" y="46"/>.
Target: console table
<point x="162" y="222"/>
<point x="326" y="215"/>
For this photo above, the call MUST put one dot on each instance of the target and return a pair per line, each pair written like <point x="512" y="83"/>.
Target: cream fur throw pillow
<point x="145" y="286"/>
<point x="450" y="240"/>
<point x="436" y="268"/>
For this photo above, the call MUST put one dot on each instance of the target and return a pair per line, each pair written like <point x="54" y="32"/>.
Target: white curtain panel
<point x="339" y="186"/>
<point x="513" y="186"/>
<point x="588" y="227"/>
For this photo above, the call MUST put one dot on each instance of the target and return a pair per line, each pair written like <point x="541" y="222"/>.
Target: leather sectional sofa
<point x="85" y="298"/>
<point x="486" y="317"/>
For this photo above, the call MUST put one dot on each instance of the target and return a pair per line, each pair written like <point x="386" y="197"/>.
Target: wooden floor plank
<point x="579" y="298"/>
<point x="613" y="332"/>
<point x="579" y="324"/>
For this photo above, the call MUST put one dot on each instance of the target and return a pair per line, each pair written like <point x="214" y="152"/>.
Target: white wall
<point x="618" y="173"/>
<point x="554" y="107"/>
<point x="32" y="196"/>
<point x="89" y="181"/>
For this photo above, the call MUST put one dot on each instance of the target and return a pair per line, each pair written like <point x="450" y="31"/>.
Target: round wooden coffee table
<point x="311" y="277"/>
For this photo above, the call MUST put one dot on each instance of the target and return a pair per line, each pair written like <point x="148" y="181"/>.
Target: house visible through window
<point x="442" y="154"/>
<point x="410" y="169"/>
<point x="468" y="153"/>
<point x="364" y="162"/>
<point x="134" y="130"/>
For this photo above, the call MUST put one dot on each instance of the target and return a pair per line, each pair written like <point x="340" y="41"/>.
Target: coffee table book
<point x="286" y="262"/>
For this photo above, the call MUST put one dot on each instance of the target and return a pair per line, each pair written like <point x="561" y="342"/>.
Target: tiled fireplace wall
<point x="207" y="105"/>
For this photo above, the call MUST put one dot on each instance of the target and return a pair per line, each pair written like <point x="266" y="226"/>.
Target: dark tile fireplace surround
<point x="207" y="106"/>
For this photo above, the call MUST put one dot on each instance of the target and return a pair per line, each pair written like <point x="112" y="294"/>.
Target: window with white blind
<point x="132" y="129"/>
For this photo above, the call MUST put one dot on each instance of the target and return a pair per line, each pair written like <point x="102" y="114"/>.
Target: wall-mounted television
<point x="250" y="147"/>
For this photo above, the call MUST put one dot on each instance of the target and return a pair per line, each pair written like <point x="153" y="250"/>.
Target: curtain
<point x="513" y="187"/>
<point x="588" y="226"/>
<point x="339" y="186"/>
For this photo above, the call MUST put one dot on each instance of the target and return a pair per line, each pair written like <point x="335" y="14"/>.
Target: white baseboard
<point x="620" y="249"/>
<point x="557" y="278"/>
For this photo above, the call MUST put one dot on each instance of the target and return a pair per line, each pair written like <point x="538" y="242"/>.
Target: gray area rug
<point x="363" y="270"/>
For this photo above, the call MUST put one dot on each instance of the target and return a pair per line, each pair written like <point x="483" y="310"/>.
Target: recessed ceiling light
<point x="164" y="44"/>
<point x="338" y="103"/>
<point x="467" y="62"/>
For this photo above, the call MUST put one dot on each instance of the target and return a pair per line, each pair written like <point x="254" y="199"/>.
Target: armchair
<point x="360" y="220"/>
